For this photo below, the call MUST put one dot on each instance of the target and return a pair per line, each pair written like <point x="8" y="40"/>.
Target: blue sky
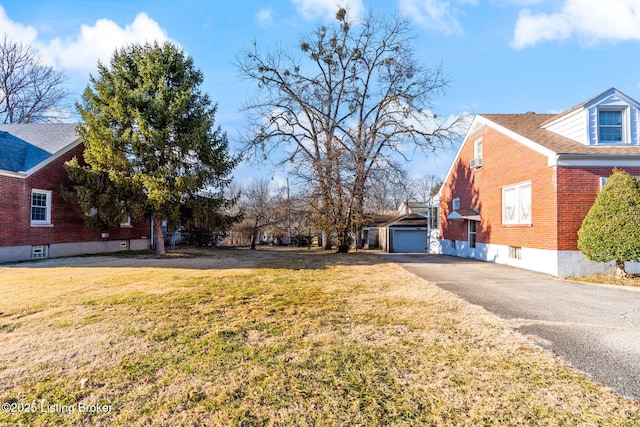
<point x="502" y="56"/>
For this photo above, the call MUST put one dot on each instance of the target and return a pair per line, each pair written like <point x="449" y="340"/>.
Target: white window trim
<point x="477" y="148"/>
<point x="127" y="223"/>
<point x="604" y="179"/>
<point x="517" y="215"/>
<point x="624" y="126"/>
<point x="472" y="235"/>
<point x="455" y="204"/>
<point x="40" y="251"/>
<point x="47" y="221"/>
<point x="515" y="252"/>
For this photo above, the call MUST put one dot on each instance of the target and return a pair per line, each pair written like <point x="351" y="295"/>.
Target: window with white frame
<point x="472" y="233"/>
<point x="40" y="207"/>
<point x="126" y="219"/>
<point x="477" y="148"/>
<point x="516" y="203"/>
<point x="515" y="252"/>
<point x="610" y="126"/>
<point x="455" y="204"/>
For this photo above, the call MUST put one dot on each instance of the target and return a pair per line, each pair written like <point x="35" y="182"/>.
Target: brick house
<point x="521" y="184"/>
<point x="35" y="221"/>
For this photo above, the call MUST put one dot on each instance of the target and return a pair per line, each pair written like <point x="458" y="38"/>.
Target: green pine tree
<point x="150" y="142"/>
<point x="611" y="229"/>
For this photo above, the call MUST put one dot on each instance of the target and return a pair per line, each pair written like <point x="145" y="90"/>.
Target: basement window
<point x="515" y="252"/>
<point x="40" y="251"/>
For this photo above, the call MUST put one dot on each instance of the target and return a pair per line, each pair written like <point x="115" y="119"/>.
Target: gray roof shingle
<point x="528" y="125"/>
<point x="23" y="146"/>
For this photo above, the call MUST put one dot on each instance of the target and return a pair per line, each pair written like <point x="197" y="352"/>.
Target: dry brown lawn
<point x="270" y="337"/>
<point x="632" y="280"/>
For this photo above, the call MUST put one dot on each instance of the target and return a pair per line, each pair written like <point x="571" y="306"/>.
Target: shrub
<point x="611" y="229"/>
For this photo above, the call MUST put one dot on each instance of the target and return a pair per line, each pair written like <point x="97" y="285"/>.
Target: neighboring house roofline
<point x="53" y="157"/>
<point x="50" y="140"/>
<point x="407" y="220"/>
<point x="12" y="174"/>
<point x="42" y="164"/>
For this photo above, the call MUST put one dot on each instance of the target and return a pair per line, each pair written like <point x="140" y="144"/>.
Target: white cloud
<point x="98" y="42"/>
<point x="588" y="20"/>
<point x="82" y="51"/>
<point x="519" y="3"/>
<point x="435" y="15"/>
<point x="311" y="9"/>
<point x="265" y="17"/>
<point x="17" y="32"/>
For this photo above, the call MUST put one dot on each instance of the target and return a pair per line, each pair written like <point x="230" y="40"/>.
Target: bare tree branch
<point x="29" y="91"/>
<point x="356" y="100"/>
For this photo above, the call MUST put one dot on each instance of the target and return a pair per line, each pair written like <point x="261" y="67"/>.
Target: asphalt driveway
<point x="596" y="329"/>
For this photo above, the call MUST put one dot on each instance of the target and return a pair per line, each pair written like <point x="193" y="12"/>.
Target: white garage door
<point x="409" y="240"/>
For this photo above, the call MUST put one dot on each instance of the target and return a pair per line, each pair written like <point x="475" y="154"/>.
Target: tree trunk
<point x="326" y="240"/>
<point x="157" y="228"/>
<point x="344" y="241"/>
<point x="620" y="271"/>
<point x="254" y="235"/>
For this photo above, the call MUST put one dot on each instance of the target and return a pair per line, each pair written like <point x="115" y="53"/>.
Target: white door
<point x="471" y="228"/>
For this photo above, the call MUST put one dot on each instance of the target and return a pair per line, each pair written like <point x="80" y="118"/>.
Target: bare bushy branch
<point x="29" y="91"/>
<point x="354" y="99"/>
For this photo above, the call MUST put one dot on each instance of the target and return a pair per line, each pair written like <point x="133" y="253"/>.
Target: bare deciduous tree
<point x="258" y="205"/>
<point x="385" y="191"/>
<point x="423" y="189"/>
<point x="352" y="104"/>
<point x="29" y="91"/>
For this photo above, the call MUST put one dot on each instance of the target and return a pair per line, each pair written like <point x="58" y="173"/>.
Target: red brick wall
<point x="66" y="218"/>
<point x="505" y="162"/>
<point x="577" y="191"/>
<point x="561" y="196"/>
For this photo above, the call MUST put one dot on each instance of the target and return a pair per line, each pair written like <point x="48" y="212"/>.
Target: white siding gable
<point x="582" y="124"/>
<point x="572" y="125"/>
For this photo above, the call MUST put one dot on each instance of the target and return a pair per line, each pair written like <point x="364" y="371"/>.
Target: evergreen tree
<point x="150" y="146"/>
<point x="611" y="229"/>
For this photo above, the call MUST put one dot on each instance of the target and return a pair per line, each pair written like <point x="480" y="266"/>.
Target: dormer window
<point x="610" y="119"/>
<point x="610" y="129"/>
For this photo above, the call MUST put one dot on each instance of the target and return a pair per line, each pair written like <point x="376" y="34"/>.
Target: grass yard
<point x="632" y="280"/>
<point x="270" y="337"/>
